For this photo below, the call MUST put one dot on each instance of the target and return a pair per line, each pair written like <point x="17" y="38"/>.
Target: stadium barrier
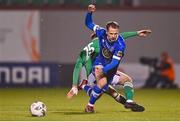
<point x="29" y="74"/>
<point x="55" y="75"/>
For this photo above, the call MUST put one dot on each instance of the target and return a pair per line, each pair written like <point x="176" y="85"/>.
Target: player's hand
<point x="72" y="92"/>
<point x="144" y="33"/>
<point x="91" y="8"/>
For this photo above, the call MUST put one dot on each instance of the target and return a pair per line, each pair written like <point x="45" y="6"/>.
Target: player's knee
<point x="98" y="76"/>
<point x="98" y="72"/>
<point x="127" y="79"/>
<point x="102" y="82"/>
<point x="128" y="83"/>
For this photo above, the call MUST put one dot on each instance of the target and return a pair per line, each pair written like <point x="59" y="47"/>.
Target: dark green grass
<point x="160" y="105"/>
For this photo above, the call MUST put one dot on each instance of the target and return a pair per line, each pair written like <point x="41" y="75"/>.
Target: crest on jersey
<point x="120" y="53"/>
<point x="106" y="53"/>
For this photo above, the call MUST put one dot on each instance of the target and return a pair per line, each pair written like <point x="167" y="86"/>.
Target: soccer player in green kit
<point x="85" y="60"/>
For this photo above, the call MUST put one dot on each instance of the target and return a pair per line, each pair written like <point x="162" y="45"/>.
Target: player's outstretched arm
<point x="143" y="33"/>
<point x="76" y="73"/>
<point x="88" y="20"/>
<point x="140" y="33"/>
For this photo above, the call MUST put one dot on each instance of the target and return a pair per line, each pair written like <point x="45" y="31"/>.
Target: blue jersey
<point x="111" y="53"/>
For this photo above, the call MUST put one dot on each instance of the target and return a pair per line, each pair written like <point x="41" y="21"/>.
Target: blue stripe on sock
<point x="96" y="91"/>
<point x="87" y="89"/>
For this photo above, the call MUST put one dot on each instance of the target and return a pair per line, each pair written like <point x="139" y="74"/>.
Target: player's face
<point x="112" y="34"/>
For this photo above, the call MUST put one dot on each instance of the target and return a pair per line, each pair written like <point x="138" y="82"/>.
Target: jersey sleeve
<point x="90" y="24"/>
<point x="118" y="54"/>
<point x="126" y="35"/>
<point x="76" y="71"/>
<point x="110" y="66"/>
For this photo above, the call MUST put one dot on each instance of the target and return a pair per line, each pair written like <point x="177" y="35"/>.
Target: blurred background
<point x="41" y="39"/>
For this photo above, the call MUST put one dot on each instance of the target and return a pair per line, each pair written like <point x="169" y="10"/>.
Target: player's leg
<point x="97" y="89"/>
<point x="87" y="85"/>
<point x="126" y="81"/>
<point x="115" y="94"/>
<point x="110" y="90"/>
<point x="123" y="79"/>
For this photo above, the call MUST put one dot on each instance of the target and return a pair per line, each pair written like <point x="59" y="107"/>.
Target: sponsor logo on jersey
<point x="106" y="53"/>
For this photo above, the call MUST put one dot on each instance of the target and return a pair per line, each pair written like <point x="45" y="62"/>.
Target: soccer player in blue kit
<point x="112" y="49"/>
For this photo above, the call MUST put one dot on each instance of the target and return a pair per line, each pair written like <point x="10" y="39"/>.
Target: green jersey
<point x="88" y="54"/>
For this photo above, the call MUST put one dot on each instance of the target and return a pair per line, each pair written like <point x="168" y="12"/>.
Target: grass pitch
<point x="160" y="105"/>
